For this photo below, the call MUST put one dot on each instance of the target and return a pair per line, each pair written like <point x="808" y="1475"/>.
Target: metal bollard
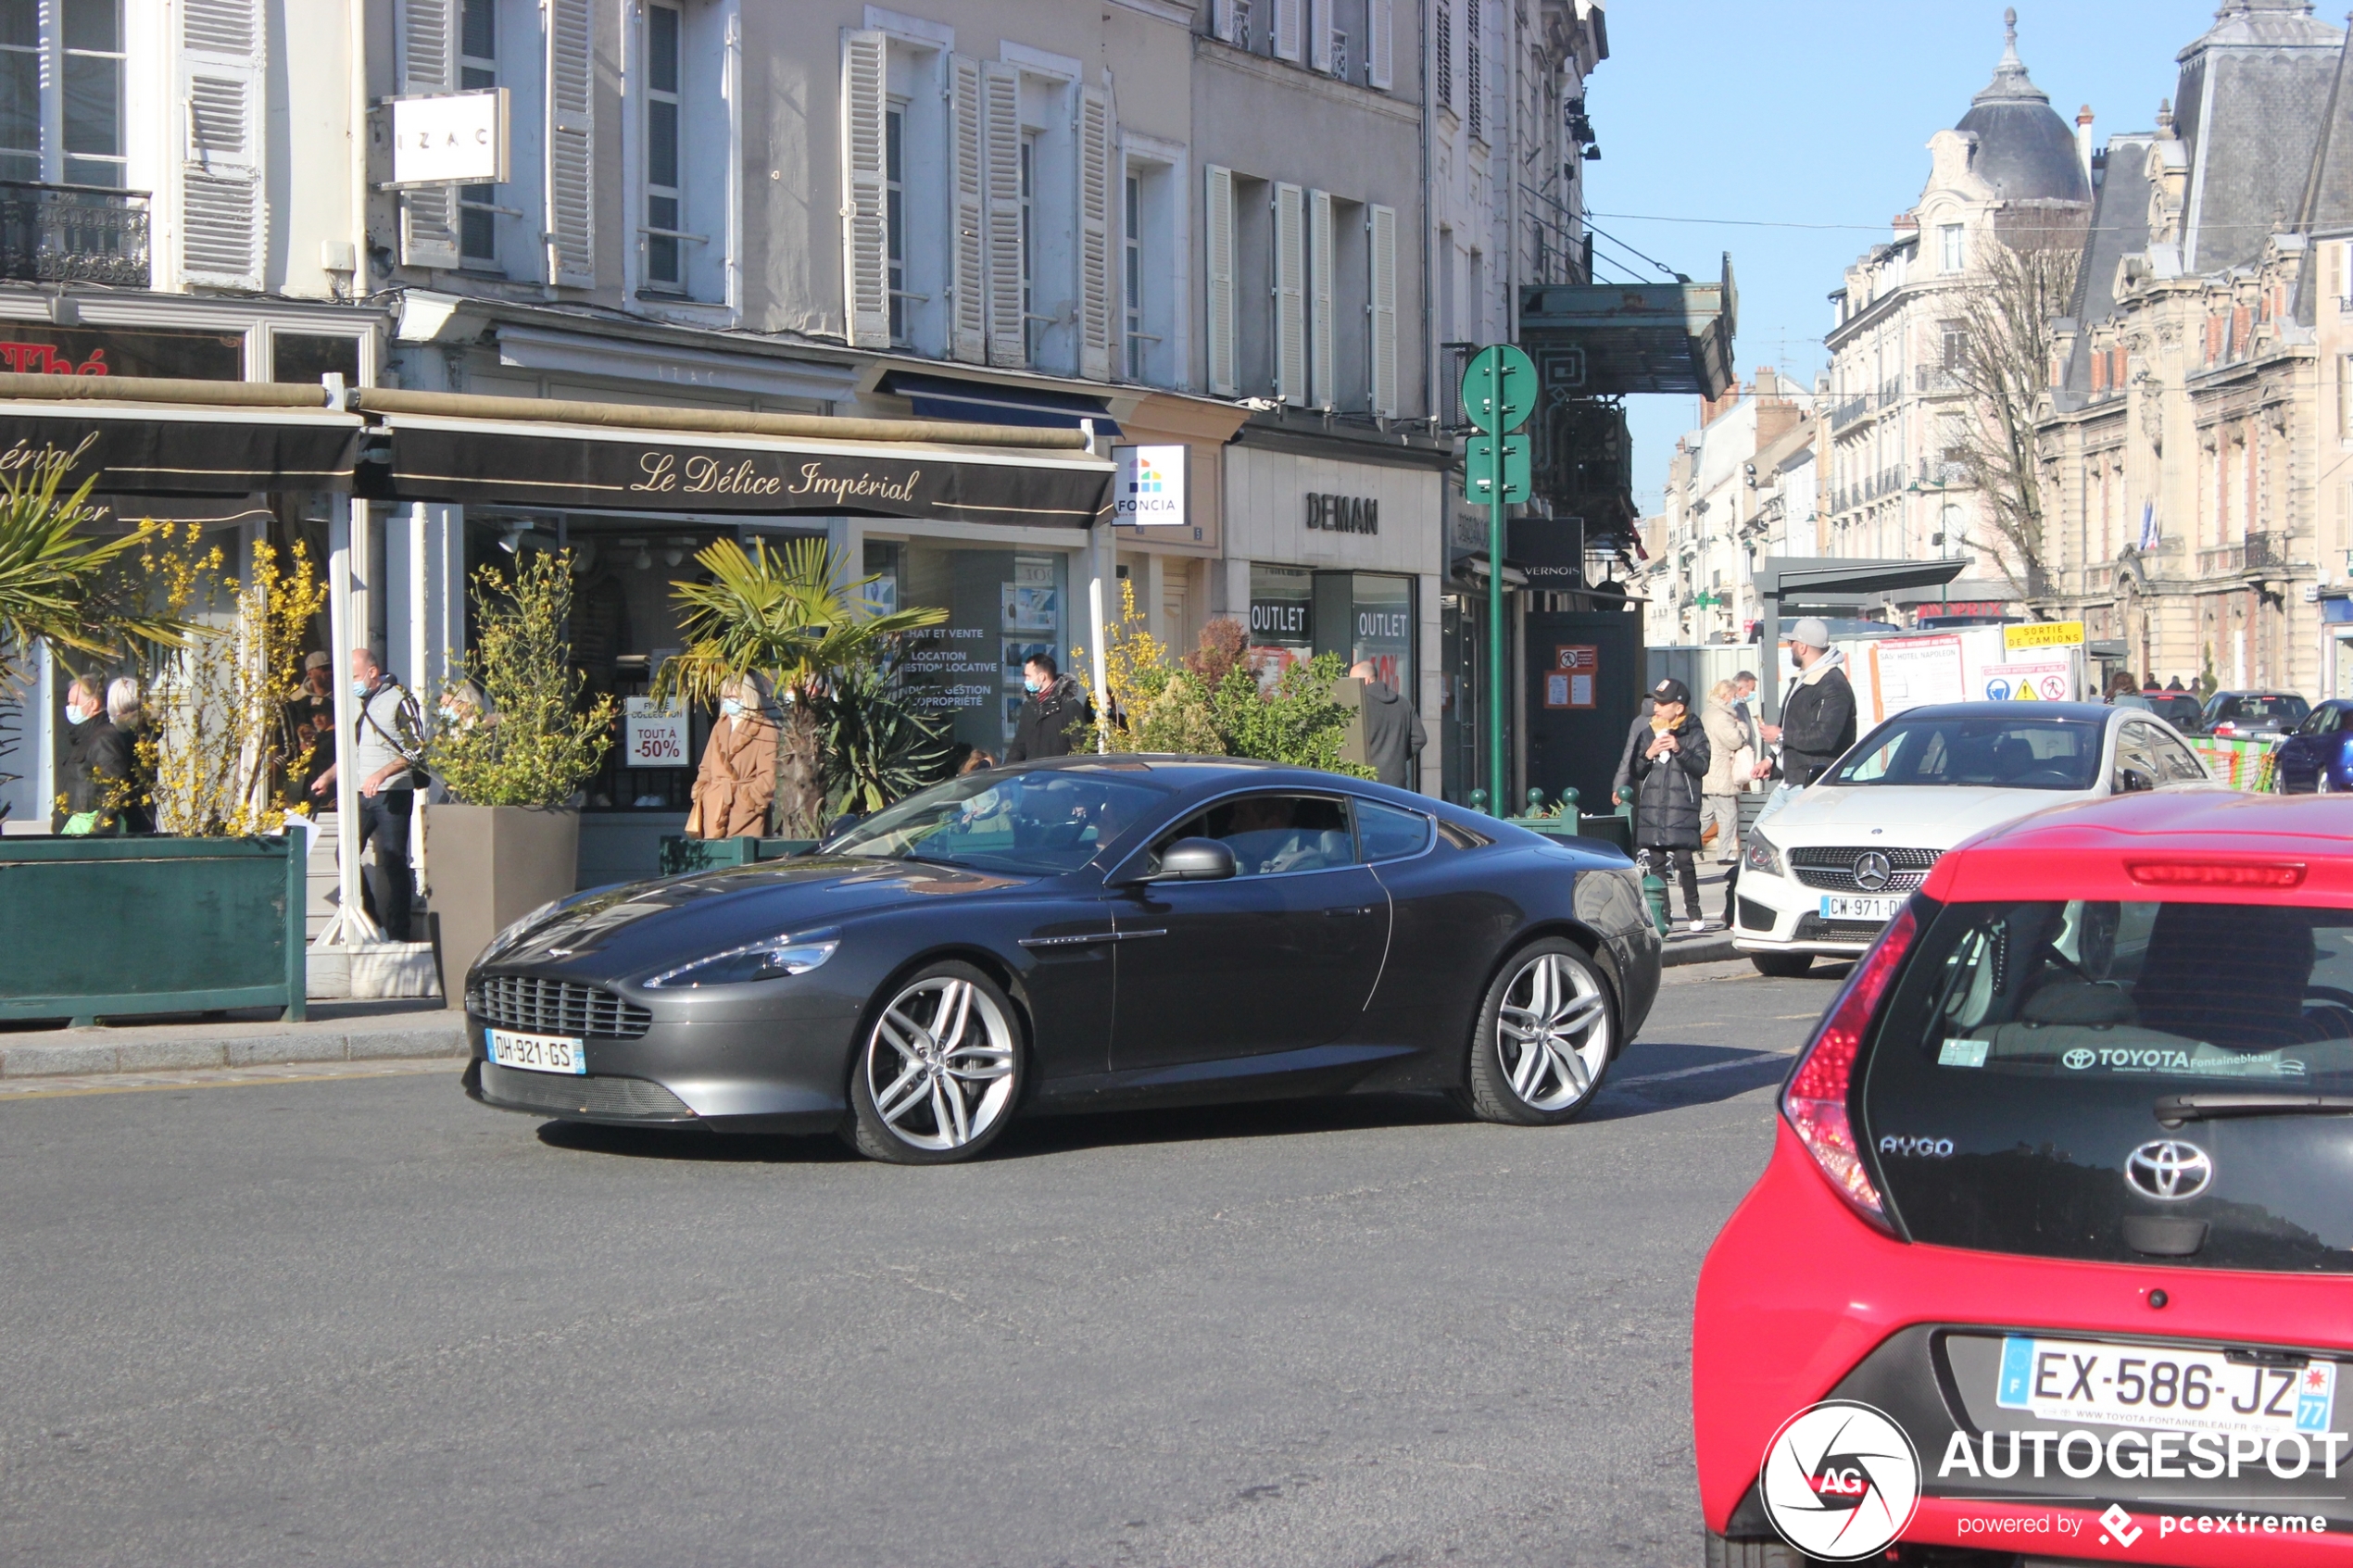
<point x="1653" y="885"/>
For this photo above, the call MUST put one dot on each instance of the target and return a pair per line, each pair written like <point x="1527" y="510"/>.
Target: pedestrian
<point x="1056" y="703"/>
<point x="98" y="764"/>
<point x="388" y="740"/>
<point x="1666" y="759"/>
<point x="315" y="705"/>
<point x="136" y="804"/>
<point x="975" y="761"/>
<point x="1743" y="700"/>
<point x="2125" y="692"/>
<point x="1817" y="717"/>
<point x="1393" y="736"/>
<point x="1731" y="760"/>
<point x="736" y="782"/>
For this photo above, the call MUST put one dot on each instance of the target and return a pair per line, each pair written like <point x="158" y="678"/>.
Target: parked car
<point x="2180" y="709"/>
<point x="1080" y="934"/>
<point x="2318" y="759"/>
<point x="2242" y="714"/>
<point x="2059" y="1175"/>
<point x="1820" y="876"/>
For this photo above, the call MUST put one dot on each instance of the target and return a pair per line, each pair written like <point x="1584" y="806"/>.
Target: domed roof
<point x="2024" y="150"/>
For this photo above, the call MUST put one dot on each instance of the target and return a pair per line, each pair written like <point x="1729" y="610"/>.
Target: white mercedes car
<point x="1821" y="875"/>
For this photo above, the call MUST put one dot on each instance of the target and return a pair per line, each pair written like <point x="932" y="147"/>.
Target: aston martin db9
<point x="1089" y="934"/>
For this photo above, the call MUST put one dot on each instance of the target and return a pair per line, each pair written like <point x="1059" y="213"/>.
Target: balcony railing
<point x="73" y="234"/>
<point x="1931" y="378"/>
<point x="2258" y="552"/>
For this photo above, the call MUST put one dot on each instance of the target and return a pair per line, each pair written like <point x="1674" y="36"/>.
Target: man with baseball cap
<point x="1817" y="716"/>
<point x="1667" y="755"/>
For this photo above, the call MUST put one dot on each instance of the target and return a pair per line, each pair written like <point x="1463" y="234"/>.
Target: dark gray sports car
<point x="1082" y="935"/>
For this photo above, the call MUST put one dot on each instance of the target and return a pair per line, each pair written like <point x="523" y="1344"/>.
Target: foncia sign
<point x="1148" y="486"/>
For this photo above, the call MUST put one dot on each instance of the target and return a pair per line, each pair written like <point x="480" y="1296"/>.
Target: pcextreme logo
<point x="1840" y="1481"/>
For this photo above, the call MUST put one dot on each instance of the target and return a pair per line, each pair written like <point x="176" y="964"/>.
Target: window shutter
<point x="1097" y="309"/>
<point x="572" y="171"/>
<point x="428" y="35"/>
<point x="1319" y="32"/>
<point x="1381" y="227"/>
<point x="865" y="235"/>
<point x="967" y="196"/>
<point x="1319" y="299"/>
<point x="222" y="219"/>
<point x="1377" y="42"/>
<point x="1000" y="170"/>
<point x="1224" y="22"/>
<point x="1286" y="28"/>
<point x="1291" y="295"/>
<point x="1218" y="232"/>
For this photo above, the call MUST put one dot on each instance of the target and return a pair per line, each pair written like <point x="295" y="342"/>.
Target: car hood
<point x="1928" y="816"/>
<point x="619" y="930"/>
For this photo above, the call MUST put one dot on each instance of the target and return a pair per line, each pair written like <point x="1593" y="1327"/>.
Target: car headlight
<point x="515" y="930"/>
<point x="769" y="960"/>
<point x="1762" y="856"/>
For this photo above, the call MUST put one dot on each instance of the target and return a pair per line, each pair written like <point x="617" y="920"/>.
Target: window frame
<point x="653" y="237"/>
<point x="478" y="206"/>
<point x="1145" y="860"/>
<point x="53" y="56"/>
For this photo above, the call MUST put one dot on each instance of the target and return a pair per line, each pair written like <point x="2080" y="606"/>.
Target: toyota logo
<point x="2169" y="1171"/>
<point x="1873" y="871"/>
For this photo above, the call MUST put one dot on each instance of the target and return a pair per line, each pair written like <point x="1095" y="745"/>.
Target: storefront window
<point x="1296" y="613"/>
<point x="1005" y="607"/>
<point x="1282" y="618"/>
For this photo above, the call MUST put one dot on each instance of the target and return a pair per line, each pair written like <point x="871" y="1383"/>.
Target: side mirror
<point x="2130" y="781"/>
<point x="1195" y="860"/>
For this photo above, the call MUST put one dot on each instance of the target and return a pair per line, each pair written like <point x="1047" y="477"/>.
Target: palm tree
<point x="55" y="585"/>
<point x="797" y="618"/>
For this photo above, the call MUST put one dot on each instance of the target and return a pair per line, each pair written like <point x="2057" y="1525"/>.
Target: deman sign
<point x="1343" y="514"/>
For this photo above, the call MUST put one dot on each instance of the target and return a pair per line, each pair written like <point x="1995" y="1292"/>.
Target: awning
<point x="161" y="449"/>
<point x="946" y="397"/>
<point x="519" y="463"/>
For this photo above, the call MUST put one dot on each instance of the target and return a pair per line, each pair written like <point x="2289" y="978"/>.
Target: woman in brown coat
<point x="737" y="779"/>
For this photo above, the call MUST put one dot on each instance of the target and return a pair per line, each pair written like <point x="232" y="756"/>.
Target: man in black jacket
<point x="1055" y="703"/>
<point x="1817" y="716"/>
<point x="1393" y="736"/>
<point x="1667" y="755"/>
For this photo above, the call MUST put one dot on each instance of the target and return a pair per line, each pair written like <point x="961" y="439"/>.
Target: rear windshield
<point x="2009" y="753"/>
<point x="2283" y="710"/>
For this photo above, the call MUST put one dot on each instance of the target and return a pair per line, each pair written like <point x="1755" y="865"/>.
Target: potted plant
<point x="507" y="839"/>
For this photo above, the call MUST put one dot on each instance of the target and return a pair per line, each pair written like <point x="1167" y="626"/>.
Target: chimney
<point x="2083" y="141"/>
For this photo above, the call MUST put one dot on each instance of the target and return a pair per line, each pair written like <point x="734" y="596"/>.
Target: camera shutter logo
<point x="1840" y="1481"/>
<point x="2168" y="1170"/>
<point x="1873" y="871"/>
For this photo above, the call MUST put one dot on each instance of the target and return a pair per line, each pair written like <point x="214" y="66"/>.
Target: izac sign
<point x="1148" y="486"/>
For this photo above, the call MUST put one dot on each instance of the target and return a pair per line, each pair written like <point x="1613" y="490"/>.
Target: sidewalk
<point x="335" y="1032"/>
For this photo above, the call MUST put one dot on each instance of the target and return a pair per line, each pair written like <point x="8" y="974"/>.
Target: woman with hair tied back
<point x="104" y="793"/>
<point x="737" y="779"/>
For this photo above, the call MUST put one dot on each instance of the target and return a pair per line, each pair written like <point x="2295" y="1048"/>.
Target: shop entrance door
<point x="1584" y="683"/>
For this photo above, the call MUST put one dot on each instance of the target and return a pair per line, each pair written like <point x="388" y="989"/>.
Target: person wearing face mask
<point x="736" y="782"/>
<point x="313" y="708"/>
<point x="98" y="763"/>
<point x="1055" y="703"/>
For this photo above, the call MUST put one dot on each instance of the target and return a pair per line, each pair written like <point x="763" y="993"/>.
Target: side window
<point x="2136" y="749"/>
<point x="1271" y="835"/>
<point x="1389" y="834"/>
<point x="2322" y="720"/>
<point x="2180" y="762"/>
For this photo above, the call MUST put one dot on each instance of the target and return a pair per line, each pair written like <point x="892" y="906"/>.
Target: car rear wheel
<point x="1723" y="1553"/>
<point x="1782" y="966"/>
<point x="939" y="1072"/>
<point x="1543" y="1038"/>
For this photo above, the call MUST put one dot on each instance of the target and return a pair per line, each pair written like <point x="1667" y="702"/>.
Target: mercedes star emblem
<point x="1873" y="871"/>
<point x="2169" y="1171"/>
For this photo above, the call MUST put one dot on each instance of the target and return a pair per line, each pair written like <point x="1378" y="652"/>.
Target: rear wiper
<point x="2174" y="1110"/>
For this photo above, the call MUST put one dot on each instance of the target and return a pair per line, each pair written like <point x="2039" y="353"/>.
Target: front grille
<point x="1755" y="916"/>
<point x="556" y="1093"/>
<point x="1832" y="867"/>
<point x="556" y="1006"/>
<point x="1814" y="928"/>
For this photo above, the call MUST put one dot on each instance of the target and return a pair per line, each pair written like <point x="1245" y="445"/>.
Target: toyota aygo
<point x="2053" y="1259"/>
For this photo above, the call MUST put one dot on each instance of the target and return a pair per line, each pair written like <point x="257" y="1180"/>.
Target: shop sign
<point x="29" y="349"/>
<point x="2043" y="635"/>
<point x="1570" y="682"/>
<point x="1282" y="621"/>
<point x="450" y="139"/>
<point x="653" y="735"/>
<point x="1148" y="486"/>
<point x="145" y="453"/>
<point x="1343" y="514"/>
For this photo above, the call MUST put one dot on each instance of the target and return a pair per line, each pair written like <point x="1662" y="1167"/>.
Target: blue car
<point x="2318" y="757"/>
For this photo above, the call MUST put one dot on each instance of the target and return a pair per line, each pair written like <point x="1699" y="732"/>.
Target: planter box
<point x="681" y="855"/>
<point x="111" y="927"/>
<point x="490" y="866"/>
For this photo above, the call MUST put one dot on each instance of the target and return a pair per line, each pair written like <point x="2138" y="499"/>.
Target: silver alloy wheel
<point x="1551" y="1033"/>
<point x="939" y="1063"/>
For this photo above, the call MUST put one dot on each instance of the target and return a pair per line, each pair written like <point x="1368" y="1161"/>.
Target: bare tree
<point x="2024" y="280"/>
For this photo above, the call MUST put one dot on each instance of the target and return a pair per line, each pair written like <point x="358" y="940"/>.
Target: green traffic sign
<point x="1499" y="388"/>
<point x="1490" y="461"/>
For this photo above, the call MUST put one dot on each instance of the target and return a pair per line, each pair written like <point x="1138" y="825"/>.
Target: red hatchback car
<point x="2057" y="1229"/>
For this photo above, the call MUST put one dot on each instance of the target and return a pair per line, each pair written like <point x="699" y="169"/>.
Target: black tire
<point x="909" y="1117"/>
<point x="1522" y="1092"/>
<point x="1723" y="1553"/>
<point x="1782" y="966"/>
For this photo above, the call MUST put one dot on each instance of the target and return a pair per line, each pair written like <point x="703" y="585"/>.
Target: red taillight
<point x="2216" y="874"/>
<point x="1815" y="1101"/>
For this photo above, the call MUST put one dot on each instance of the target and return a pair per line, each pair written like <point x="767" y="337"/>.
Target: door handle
<point x="1359" y="909"/>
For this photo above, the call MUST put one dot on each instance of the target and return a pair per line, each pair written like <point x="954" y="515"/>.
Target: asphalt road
<point x="366" y="1322"/>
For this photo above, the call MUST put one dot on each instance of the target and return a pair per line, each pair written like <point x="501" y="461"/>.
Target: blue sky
<point x="1819" y="112"/>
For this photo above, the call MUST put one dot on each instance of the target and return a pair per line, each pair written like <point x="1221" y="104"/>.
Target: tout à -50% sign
<point x="653" y="735"/>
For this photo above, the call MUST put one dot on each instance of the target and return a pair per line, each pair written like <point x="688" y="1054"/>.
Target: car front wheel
<point x="1543" y="1038"/>
<point x="939" y="1071"/>
<point x="1782" y="966"/>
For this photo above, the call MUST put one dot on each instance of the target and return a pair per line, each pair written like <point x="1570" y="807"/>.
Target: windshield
<point x="2005" y="752"/>
<point x="1033" y="823"/>
<point x="2285" y="711"/>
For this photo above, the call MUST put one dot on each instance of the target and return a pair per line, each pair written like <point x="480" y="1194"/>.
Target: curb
<point x="1704" y="949"/>
<point x="91" y="1053"/>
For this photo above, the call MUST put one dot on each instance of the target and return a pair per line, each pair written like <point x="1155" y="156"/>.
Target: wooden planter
<point x="109" y="927"/>
<point x="490" y="866"/>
